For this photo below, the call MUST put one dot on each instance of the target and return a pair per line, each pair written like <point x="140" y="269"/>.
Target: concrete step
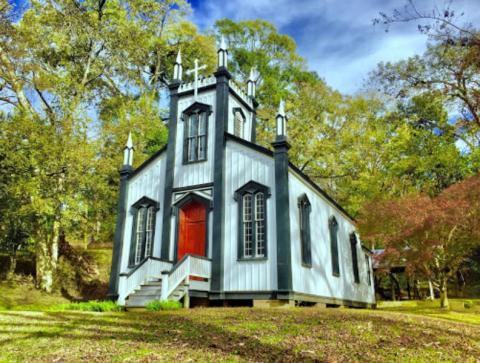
<point x="138" y="301"/>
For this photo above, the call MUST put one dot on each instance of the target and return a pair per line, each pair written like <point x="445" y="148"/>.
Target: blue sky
<point x="336" y="37"/>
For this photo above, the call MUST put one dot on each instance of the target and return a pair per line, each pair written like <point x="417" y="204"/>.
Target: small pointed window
<point x="333" y="228"/>
<point x="367" y="265"/>
<point x="353" y="245"/>
<point x="238" y="122"/>
<point x="141" y="247"/>
<point x="304" y="222"/>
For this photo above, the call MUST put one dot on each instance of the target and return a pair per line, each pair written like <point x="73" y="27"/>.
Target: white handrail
<point x="150" y="269"/>
<point x="190" y="266"/>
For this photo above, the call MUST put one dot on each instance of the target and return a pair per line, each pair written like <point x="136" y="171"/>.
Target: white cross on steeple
<point x="195" y="70"/>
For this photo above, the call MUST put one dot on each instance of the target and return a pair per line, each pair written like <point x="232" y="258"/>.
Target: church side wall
<point x="242" y="165"/>
<point x="149" y="182"/>
<point x="318" y="279"/>
<point x="198" y="172"/>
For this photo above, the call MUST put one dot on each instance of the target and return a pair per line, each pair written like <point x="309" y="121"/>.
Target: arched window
<point x="353" y="246"/>
<point x="333" y="228"/>
<point x="367" y="265"/>
<point x="304" y="222"/>
<point x="252" y="211"/>
<point x="195" y="132"/>
<point x="143" y="234"/>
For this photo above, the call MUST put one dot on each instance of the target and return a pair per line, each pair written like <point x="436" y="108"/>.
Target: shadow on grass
<point x="199" y="331"/>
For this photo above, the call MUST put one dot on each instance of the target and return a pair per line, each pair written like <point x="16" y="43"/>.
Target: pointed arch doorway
<point x="192" y="226"/>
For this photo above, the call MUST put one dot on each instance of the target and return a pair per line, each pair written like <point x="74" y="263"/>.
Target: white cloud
<point x="336" y="37"/>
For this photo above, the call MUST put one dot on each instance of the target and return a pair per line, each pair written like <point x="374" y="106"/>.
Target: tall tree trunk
<point x="46" y="259"/>
<point x="443" y="294"/>
<point x="12" y="264"/>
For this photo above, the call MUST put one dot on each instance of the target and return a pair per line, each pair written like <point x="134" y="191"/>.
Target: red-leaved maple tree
<point x="431" y="236"/>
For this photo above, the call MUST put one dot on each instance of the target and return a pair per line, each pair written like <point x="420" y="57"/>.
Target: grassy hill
<point x="237" y="334"/>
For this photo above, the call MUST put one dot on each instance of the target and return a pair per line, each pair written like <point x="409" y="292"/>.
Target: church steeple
<point x="177" y="68"/>
<point x="281" y="122"/>
<point x="222" y="54"/>
<point x="251" y="83"/>
<point x="128" y="152"/>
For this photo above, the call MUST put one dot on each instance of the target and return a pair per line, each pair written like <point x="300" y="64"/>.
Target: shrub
<point x="157" y="305"/>
<point x="99" y="306"/>
<point x="468" y="304"/>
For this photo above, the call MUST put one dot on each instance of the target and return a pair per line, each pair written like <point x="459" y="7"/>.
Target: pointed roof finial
<point x="223" y="45"/>
<point x="129" y="144"/>
<point x="281" y="108"/>
<point x="252" y="75"/>
<point x="179" y="57"/>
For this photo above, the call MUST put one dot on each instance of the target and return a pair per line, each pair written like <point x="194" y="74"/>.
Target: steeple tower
<point x="128" y="152"/>
<point x="281" y="122"/>
<point x="222" y="54"/>
<point x="251" y="83"/>
<point x="177" y="68"/>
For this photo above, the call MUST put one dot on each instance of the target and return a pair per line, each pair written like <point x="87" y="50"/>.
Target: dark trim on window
<point x="304" y="209"/>
<point x="353" y="246"/>
<point x="252" y="188"/>
<point x="333" y="229"/>
<point x="199" y="109"/>
<point x="369" y="271"/>
<point x="146" y="203"/>
<point x="236" y="110"/>
<point x="186" y="199"/>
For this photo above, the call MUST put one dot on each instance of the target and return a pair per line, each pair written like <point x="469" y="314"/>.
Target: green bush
<point x="468" y="304"/>
<point x="157" y="305"/>
<point x="99" y="306"/>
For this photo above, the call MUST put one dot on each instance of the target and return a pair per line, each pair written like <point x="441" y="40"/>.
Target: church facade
<point x="214" y="218"/>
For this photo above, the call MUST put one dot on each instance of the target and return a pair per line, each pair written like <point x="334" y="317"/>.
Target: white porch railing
<point x="189" y="266"/>
<point x="150" y="269"/>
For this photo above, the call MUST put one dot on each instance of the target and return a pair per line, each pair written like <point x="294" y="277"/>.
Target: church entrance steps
<point x="174" y="284"/>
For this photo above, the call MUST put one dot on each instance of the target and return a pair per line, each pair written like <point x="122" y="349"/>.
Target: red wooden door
<point x="192" y="231"/>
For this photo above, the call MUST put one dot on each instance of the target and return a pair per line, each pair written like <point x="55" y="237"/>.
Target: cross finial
<point x="195" y="70"/>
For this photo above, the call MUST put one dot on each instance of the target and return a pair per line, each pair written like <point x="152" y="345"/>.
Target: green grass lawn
<point x="237" y="334"/>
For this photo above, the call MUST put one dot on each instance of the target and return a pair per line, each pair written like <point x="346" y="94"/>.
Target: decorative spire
<point x="128" y="151"/>
<point x="281" y="121"/>
<point x="252" y="83"/>
<point x="177" y="68"/>
<point x="222" y="53"/>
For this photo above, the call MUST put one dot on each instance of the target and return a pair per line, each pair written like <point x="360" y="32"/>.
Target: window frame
<point x="369" y="270"/>
<point x="252" y="189"/>
<point x="354" y="251"/>
<point x="304" y="210"/>
<point x="239" y="111"/>
<point x="138" y="248"/>
<point x="334" y="250"/>
<point x="195" y="111"/>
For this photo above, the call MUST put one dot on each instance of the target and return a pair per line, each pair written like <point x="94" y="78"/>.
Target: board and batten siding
<point x="149" y="182"/>
<point x="233" y="103"/>
<point x="197" y="172"/>
<point x="318" y="279"/>
<point x="242" y="164"/>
